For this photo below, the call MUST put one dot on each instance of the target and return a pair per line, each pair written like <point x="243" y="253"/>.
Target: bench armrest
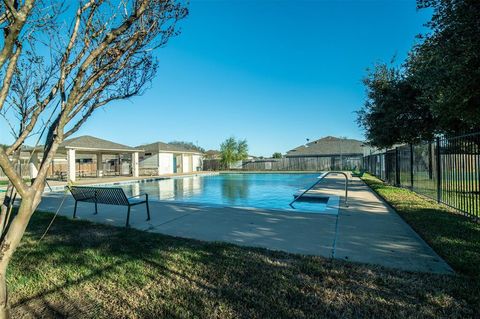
<point x="139" y="195"/>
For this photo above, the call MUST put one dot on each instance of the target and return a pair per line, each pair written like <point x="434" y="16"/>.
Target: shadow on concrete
<point x="84" y="270"/>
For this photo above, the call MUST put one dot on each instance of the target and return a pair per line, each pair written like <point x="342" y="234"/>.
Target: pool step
<point x="310" y="196"/>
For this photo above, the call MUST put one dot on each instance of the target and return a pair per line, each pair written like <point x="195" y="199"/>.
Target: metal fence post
<point x="411" y="165"/>
<point x="430" y="161"/>
<point x="397" y="168"/>
<point x="439" y="172"/>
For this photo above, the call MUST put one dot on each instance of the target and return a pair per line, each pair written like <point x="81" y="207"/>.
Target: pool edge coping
<point x="332" y="206"/>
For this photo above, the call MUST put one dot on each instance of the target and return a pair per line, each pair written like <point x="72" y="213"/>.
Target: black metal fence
<point x="447" y="170"/>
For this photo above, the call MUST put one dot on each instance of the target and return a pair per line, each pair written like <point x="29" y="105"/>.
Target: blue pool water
<point x="268" y="191"/>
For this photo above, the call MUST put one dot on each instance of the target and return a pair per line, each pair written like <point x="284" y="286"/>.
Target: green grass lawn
<point x="457" y="191"/>
<point x="453" y="236"/>
<point x="5" y="182"/>
<point x="87" y="270"/>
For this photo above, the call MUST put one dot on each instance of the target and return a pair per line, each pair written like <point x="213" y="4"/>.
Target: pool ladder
<point x="320" y="178"/>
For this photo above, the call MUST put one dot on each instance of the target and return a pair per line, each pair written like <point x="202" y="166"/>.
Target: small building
<point x="161" y="158"/>
<point x="88" y="156"/>
<point x="335" y="153"/>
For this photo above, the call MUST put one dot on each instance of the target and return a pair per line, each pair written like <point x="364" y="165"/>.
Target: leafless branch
<point x="57" y="68"/>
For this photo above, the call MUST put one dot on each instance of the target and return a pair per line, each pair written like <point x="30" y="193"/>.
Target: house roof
<point x="329" y="145"/>
<point x="90" y="143"/>
<point x="166" y="148"/>
<point x="213" y="154"/>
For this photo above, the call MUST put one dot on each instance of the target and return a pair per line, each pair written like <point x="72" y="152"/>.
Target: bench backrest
<point x="101" y="195"/>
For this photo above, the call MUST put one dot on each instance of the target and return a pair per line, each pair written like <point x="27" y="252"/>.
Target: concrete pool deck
<point x="367" y="231"/>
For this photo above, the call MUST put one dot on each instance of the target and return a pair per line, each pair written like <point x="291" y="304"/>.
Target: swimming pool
<point x="266" y="191"/>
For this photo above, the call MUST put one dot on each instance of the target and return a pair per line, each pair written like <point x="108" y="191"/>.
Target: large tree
<point x="392" y="112"/>
<point x="445" y="65"/>
<point x="59" y="62"/>
<point x="232" y="150"/>
<point x="437" y="88"/>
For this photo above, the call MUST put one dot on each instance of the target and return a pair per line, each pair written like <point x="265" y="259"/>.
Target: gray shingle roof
<point x="90" y="142"/>
<point x="328" y="146"/>
<point x="165" y="147"/>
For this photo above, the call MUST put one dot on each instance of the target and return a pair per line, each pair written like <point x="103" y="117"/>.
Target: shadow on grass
<point x="453" y="236"/>
<point x="86" y="270"/>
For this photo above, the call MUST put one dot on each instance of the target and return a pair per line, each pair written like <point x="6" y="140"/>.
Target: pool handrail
<point x="320" y="178"/>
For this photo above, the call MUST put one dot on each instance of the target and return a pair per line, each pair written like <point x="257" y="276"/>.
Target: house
<point x="161" y="158"/>
<point x="335" y="153"/>
<point x="213" y="155"/>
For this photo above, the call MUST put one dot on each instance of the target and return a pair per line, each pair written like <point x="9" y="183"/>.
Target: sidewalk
<point x="367" y="231"/>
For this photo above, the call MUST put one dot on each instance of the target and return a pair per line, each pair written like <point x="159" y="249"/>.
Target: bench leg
<point x="75" y="210"/>
<point x="96" y="208"/>
<point x="128" y="217"/>
<point x="148" y="210"/>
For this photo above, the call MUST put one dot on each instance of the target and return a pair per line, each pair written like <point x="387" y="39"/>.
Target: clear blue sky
<point x="273" y="72"/>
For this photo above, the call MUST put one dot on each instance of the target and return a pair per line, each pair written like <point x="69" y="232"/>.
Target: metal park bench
<point x="108" y="196"/>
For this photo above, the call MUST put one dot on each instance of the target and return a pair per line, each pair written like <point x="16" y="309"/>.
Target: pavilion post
<point x="135" y="165"/>
<point x="71" y="176"/>
<point x="33" y="166"/>
<point x="99" y="165"/>
<point x="159" y="163"/>
<point x="182" y="167"/>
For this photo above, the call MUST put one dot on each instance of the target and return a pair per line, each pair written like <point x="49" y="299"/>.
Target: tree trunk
<point x="4" y="208"/>
<point x="4" y="307"/>
<point x="9" y="244"/>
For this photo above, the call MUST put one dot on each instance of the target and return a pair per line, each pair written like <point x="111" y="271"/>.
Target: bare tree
<point x="58" y="65"/>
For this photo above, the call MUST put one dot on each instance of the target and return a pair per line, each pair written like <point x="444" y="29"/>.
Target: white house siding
<point x="197" y="163"/>
<point x="187" y="163"/>
<point x="162" y="163"/>
<point x="165" y="163"/>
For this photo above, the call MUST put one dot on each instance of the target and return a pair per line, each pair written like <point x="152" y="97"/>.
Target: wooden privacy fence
<point x="314" y="163"/>
<point x="447" y="170"/>
<point x="212" y="165"/>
